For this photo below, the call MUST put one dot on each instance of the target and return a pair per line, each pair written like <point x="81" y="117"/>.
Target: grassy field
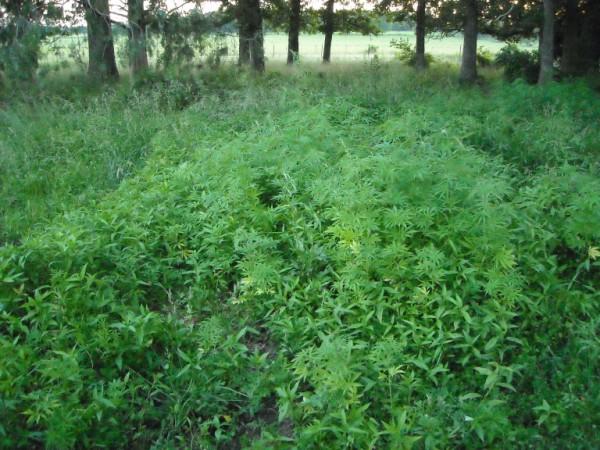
<point x="345" y="47"/>
<point x="355" y="47"/>
<point x="356" y="257"/>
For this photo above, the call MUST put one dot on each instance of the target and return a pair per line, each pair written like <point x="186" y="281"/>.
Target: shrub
<point x="485" y="57"/>
<point x="19" y="56"/>
<point x="407" y="52"/>
<point x="518" y="63"/>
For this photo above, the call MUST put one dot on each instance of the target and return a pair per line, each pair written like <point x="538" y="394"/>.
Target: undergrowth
<point x="332" y="260"/>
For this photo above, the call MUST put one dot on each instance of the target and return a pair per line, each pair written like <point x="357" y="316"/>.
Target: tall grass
<point x="56" y="154"/>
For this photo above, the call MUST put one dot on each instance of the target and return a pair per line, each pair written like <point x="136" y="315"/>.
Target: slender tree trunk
<point x="420" y="61"/>
<point x="294" y="31"/>
<point x="101" y="50"/>
<point x="468" y="68"/>
<point x="328" y="28"/>
<point x="138" y="54"/>
<point x="251" y="37"/>
<point x="547" y="44"/>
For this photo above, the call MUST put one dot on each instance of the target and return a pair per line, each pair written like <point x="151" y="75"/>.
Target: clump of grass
<point x="336" y="260"/>
<point x="56" y="155"/>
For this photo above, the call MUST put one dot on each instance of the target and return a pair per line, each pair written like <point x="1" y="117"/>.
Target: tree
<point x="294" y="31"/>
<point x="251" y="38"/>
<point x="182" y="34"/>
<point x="420" y="60"/>
<point x="468" y="67"/>
<point x="138" y="53"/>
<point x="577" y="30"/>
<point x="590" y="35"/>
<point x="24" y="24"/>
<point x="547" y="44"/>
<point x="101" y="51"/>
<point x="404" y="11"/>
<point x="344" y="20"/>
<point x="452" y="16"/>
<point x="291" y="16"/>
<point x="571" y="58"/>
<point x="328" y="29"/>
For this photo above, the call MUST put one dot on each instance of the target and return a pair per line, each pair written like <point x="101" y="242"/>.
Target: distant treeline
<point x="568" y="31"/>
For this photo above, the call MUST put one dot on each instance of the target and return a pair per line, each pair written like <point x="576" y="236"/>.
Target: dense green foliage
<point x="379" y="261"/>
<point x="56" y="154"/>
<point x="519" y="63"/>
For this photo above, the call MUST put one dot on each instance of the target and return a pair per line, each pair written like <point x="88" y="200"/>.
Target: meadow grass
<point x="352" y="257"/>
<point x="57" y="153"/>
<point x="71" y="50"/>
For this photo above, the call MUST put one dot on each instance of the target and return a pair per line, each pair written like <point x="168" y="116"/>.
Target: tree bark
<point x="590" y="37"/>
<point x="420" y="61"/>
<point x="293" y="32"/>
<point x="547" y="44"/>
<point x="244" y="47"/>
<point x="101" y="51"/>
<point x="328" y="28"/>
<point x="257" y="50"/>
<point x="138" y="54"/>
<point x="468" y="68"/>
<point x="251" y="39"/>
<point x="572" y="52"/>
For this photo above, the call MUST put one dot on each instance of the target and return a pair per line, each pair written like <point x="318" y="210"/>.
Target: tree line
<point x="568" y="30"/>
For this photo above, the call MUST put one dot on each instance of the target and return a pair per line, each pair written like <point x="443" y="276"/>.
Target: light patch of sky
<point x="118" y="8"/>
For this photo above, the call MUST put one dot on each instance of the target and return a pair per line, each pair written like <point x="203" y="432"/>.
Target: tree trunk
<point x="590" y="37"/>
<point x="420" y="61"/>
<point x="257" y="50"/>
<point x="547" y="44"/>
<point x="572" y="52"/>
<point x="294" y="31"/>
<point x="244" y="33"/>
<point x="101" y="51"/>
<point x="468" y="68"/>
<point x="328" y="28"/>
<point x="138" y="54"/>
<point x="251" y="37"/>
<point x="244" y="47"/>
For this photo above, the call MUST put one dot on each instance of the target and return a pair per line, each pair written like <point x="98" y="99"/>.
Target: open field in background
<point x="356" y="47"/>
<point x="345" y="47"/>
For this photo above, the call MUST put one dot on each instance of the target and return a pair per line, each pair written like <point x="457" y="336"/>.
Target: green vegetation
<point x="518" y="63"/>
<point x="56" y="154"/>
<point x="323" y="258"/>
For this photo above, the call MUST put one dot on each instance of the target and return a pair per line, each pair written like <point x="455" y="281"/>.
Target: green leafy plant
<point x="407" y="53"/>
<point x="518" y="63"/>
<point x="485" y="57"/>
<point x="339" y="261"/>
